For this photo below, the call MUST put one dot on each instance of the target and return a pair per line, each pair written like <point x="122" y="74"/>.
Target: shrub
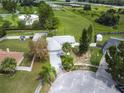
<point x="67" y="62"/>
<point x="36" y="25"/>
<point x="39" y="49"/>
<point x="66" y="47"/>
<point x="2" y="32"/>
<point x="109" y="18"/>
<point x="75" y="50"/>
<point x="8" y="66"/>
<point x="87" y="7"/>
<point x="47" y="73"/>
<point x="21" y="24"/>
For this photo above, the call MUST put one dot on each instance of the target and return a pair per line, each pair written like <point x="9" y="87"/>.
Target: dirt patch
<point x="85" y="58"/>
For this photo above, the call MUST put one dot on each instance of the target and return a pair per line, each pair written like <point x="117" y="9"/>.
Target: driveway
<point x="80" y="82"/>
<point x="55" y="61"/>
<point x="111" y="42"/>
<point x="102" y="75"/>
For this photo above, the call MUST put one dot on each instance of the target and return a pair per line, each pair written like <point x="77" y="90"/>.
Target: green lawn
<point x="96" y="55"/>
<point x="21" y="82"/>
<point x="71" y="23"/>
<point x="15" y="45"/>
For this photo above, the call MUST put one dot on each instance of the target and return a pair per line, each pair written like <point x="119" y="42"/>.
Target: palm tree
<point x="47" y="74"/>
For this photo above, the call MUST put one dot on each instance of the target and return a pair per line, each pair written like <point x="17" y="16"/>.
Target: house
<point x="55" y="43"/>
<point x="18" y="56"/>
<point x="29" y="19"/>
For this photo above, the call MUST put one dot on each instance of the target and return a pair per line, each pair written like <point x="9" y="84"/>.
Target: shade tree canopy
<point x="115" y="59"/>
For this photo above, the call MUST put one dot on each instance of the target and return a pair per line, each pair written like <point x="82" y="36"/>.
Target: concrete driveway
<point x="80" y="82"/>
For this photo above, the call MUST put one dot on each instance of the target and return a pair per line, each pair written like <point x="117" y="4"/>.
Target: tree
<point x="21" y="24"/>
<point x="90" y="33"/>
<point x="36" y="25"/>
<point x="39" y="49"/>
<point x="67" y="62"/>
<point x="2" y="32"/>
<point x="29" y="3"/>
<point x="115" y="59"/>
<point x="47" y="73"/>
<point x="85" y="39"/>
<point x="109" y="18"/>
<point x="9" y="5"/>
<point x="6" y="25"/>
<point x="46" y="16"/>
<point x="8" y="66"/>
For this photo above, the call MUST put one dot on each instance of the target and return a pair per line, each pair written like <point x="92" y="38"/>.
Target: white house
<point x="29" y="19"/>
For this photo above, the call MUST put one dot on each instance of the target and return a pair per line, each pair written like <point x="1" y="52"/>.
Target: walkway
<point x="55" y="61"/>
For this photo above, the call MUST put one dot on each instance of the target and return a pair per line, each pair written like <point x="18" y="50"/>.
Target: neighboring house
<point x="29" y="19"/>
<point x="18" y="56"/>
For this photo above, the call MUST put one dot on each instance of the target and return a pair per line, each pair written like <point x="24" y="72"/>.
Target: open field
<point x="73" y="22"/>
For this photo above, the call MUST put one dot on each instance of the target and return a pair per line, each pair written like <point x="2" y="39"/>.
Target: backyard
<point x="21" y="82"/>
<point x="15" y="45"/>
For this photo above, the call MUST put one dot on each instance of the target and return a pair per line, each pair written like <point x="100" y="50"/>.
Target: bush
<point x="2" y="32"/>
<point x="87" y="7"/>
<point x="75" y="50"/>
<point x="47" y="73"/>
<point x="8" y="66"/>
<point x="21" y="24"/>
<point x="51" y="33"/>
<point x="66" y="47"/>
<point x="109" y="18"/>
<point x="36" y="25"/>
<point x="67" y="62"/>
<point x="9" y="5"/>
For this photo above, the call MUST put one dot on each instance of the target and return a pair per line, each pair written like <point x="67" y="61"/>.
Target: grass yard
<point x="96" y="55"/>
<point x="15" y="45"/>
<point x="71" y="23"/>
<point x="21" y="82"/>
<point x="13" y="19"/>
<point x="45" y="88"/>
